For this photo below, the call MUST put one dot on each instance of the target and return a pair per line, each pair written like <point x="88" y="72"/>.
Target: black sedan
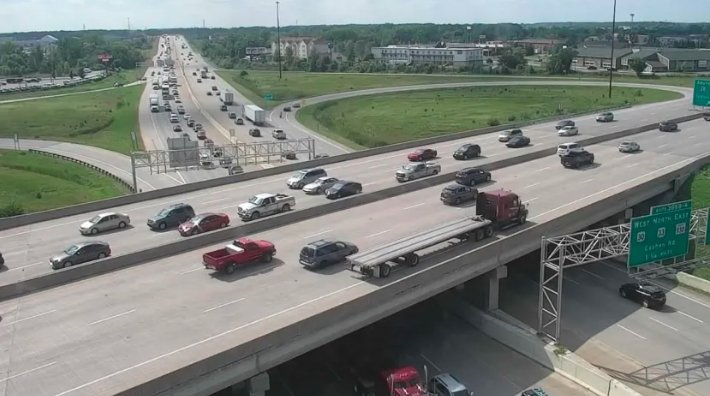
<point x="667" y="126"/>
<point x="650" y="296"/>
<point x="343" y="189"/>
<point x="518" y="141"/>
<point x="467" y="151"/>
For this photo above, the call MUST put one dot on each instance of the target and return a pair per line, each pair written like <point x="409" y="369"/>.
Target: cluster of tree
<point x="71" y="54"/>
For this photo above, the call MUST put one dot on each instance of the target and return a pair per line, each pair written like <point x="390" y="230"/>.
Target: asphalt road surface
<point x="103" y="334"/>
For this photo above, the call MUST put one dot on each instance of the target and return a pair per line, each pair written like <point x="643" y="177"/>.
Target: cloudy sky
<point x="33" y="15"/>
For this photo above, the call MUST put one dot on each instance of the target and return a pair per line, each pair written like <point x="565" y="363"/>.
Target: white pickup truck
<point x="265" y="205"/>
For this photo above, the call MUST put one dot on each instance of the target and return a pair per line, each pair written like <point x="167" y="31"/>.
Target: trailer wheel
<point x="385" y="270"/>
<point x="523" y="219"/>
<point x="230" y="268"/>
<point x="412" y="259"/>
<point x="489" y="232"/>
<point x="479" y="235"/>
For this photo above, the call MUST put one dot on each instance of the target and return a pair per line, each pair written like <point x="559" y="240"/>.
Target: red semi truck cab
<point x="403" y="381"/>
<point x="241" y="251"/>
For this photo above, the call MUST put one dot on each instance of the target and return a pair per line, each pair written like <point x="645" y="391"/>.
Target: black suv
<point x="472" y="176"/>
<point x="575" y="159"/>
<point x="649" y="295"/>
<point x="667" y="126"/>
<point x="467" y="151"/>
<point x="324" y="252"/>
<point x="172" y="216"/>
<point x="455" y="194"/>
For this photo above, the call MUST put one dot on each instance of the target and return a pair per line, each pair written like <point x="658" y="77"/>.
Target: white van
<point x="566" y="148"/>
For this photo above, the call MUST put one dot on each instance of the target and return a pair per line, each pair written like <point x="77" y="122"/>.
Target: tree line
<point x="71" y="54"/>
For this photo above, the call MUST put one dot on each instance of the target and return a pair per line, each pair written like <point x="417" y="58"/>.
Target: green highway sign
<point x="658" y="237"/>
<point x="701" y="93"/>
<point x="268" y="96"/>
<point x="671" y="207"/>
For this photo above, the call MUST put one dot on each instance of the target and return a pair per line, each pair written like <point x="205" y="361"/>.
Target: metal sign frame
<point x="586" y="247"/>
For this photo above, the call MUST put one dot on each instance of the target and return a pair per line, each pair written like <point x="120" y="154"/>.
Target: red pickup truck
<point x="241" y="251"/>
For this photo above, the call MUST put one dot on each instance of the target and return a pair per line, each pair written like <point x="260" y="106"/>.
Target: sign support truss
<point x="586" y="247"/>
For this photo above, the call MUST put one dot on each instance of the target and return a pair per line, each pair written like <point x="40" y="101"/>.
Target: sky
<point x="38" y="15"/>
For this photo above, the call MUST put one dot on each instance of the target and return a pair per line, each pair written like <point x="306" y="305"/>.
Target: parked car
<point x="650" y="296"/>
<point x="421" y="155"/>
<point x="629" y="147"/>
<point x="467" y="151"/>
<point x="203" y="222"/>
<point x="667" y="126"/>
<point x="564" y="123"/>
<point x="171" y="216"/>
<point x="320" y="253"/>
<point x="505" y="136"/>
<point x="255" y="132"/>
<point x="472" y="176"/>
<point x="80" y="253"/>
<point x="104" y="222"/>
<point x="343" y="189"/>
<point x="455" y="194"/>
<point x="305" y="176"/>
<point x="605" y="117"/>
<point x="319" y="185"/>
<point x="518" y="141"/>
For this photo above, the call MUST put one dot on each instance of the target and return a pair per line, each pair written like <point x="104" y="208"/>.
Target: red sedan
<point x="203" y="222"/>
<point x="422" y="155"/>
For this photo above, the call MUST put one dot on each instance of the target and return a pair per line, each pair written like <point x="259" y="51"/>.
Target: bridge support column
<point x="493" y="291"/>
<point x="258" y="385"/>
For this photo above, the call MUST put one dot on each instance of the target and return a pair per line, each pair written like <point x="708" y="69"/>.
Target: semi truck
<point x="254" y="114"/>
<point x="499" y="209"/>
<point x="228" y="97"/>
<point x="154" y="103"/>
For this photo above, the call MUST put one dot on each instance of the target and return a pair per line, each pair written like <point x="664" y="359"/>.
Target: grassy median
<point x="102" y="119"/>
<point x="33" y="182"/>
<point x="378" y="120"/>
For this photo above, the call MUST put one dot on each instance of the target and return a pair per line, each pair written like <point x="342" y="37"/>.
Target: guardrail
<point x="114" y="263"/>
<point x="86" y="164"/>
<point x="17" y="221"/>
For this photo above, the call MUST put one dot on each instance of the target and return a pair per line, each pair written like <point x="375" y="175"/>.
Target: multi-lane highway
<point x="132" y="325"/>
<point x="32" y="245"/>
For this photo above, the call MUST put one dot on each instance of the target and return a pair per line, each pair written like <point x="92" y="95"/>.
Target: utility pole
<point x="613" y="37"/>
<point x="278" y="38"/>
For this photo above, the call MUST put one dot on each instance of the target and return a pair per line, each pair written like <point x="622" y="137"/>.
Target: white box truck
<point x="255" y="114"/>
<point x="228" y="97"/>
<point x="154" y="103"/>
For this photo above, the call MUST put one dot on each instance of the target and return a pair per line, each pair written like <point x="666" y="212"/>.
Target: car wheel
<point x="230" y="268"/>
<point x="488" y="178"/>
<point x="645" y="303"/>
<point x="67" y="264"/>
<point x="223" y="225"/>
<point x="122" y="224"/>
<point x="255" y="216"/>
<point x="267" y="257"/>
<point x="285" y="208"/>
<point x="622" y="293"/>
<point x="162" y="226"/>
<point x="358" y="191"/>
<point x="436" y="173"/>
<point x="457" y="201"/>
<point x="94" y="231"/>
<point x="193" y="231"/>
<point x="100" y="256"/>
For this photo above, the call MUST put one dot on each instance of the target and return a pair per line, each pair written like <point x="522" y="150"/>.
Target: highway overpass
<point x="170" y="327"/>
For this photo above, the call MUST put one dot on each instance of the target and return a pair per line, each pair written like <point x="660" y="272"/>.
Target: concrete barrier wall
<point x="30" y="218"/>
<point x="334" y="320"/>
<point x="693" y="282"/>
<point x="525" y="340"/>
<point x="126" y="260"/>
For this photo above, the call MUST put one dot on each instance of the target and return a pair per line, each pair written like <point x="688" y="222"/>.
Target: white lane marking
<point x="216" y="200"/>
<point x="690" y="298"/>
<point x="112" y="317"/>
<point x="179" y="175"/>
<point x="378" y="233"/>
<point x="224" y="305"/>
<point x="32" y="317"/>
<point x="632" y="332"/>
<point x="531" y="185"/>
<point x="192" y="270"/>
<point x="532" y="199"/>
<point x="315" y="235"/>
<point x="431" y="362"/>
<point x="588" y="180"/>
<point x="378" y="166"/>
<point x="573" y="281"/>
<point x="542" y="169"/>
<point x="662" y="146"/>
<point x="27" y="371"/>
<point x="208" y="339"/>
<point x="690" y="316"/>
<point x="663" y="324"/>
<point x="369" y="184"/>
<point x="593" y="274"/>
<point x="414" y="206"/>
<point x="24" y="266"/>
<point x="631" y="165"/>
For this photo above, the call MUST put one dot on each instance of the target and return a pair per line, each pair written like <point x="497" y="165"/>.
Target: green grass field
<point x="36" y="183"/>
<point x="123" y="77"/>
<point x="298" y="85"/>
<point x="371" y="121"/>
<point x="102" y="119"/>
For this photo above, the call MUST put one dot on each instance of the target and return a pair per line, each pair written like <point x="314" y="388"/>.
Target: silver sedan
<point x="568" y="130"/>
<point x="320" y="185"/>
<point x="104" y="222"/>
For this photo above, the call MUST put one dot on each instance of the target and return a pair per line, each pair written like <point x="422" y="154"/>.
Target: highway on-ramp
<point x="28" y="248"/>
<point x="105" y="334"/>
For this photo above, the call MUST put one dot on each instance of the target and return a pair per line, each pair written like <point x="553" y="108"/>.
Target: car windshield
<point x="255" y="200"/>
<point x="411" y="167"/>
<point x="95" y="219"/>
<point x="71" y="249"/>
<point x="308" y="251"/>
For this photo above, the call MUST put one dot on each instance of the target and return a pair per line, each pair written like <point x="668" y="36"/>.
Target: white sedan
<point x="104" y="222"/>
<point x="568" y="130"/>
<point x="629" y="147"/>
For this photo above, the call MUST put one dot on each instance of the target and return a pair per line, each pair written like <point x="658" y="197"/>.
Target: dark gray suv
<point x="324" y="252"/>
<point x="455" y="194"/>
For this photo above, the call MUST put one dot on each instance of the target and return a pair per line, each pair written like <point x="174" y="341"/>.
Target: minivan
<point x="447" y="385"/>
<point x="171" y="216"/>
<point x="566" y="148"/>
<point x="304" y="177"/>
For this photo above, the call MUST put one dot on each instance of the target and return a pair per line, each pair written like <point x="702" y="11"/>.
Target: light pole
<point x="611" y="61"/>
<point x="278" y="38"/>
